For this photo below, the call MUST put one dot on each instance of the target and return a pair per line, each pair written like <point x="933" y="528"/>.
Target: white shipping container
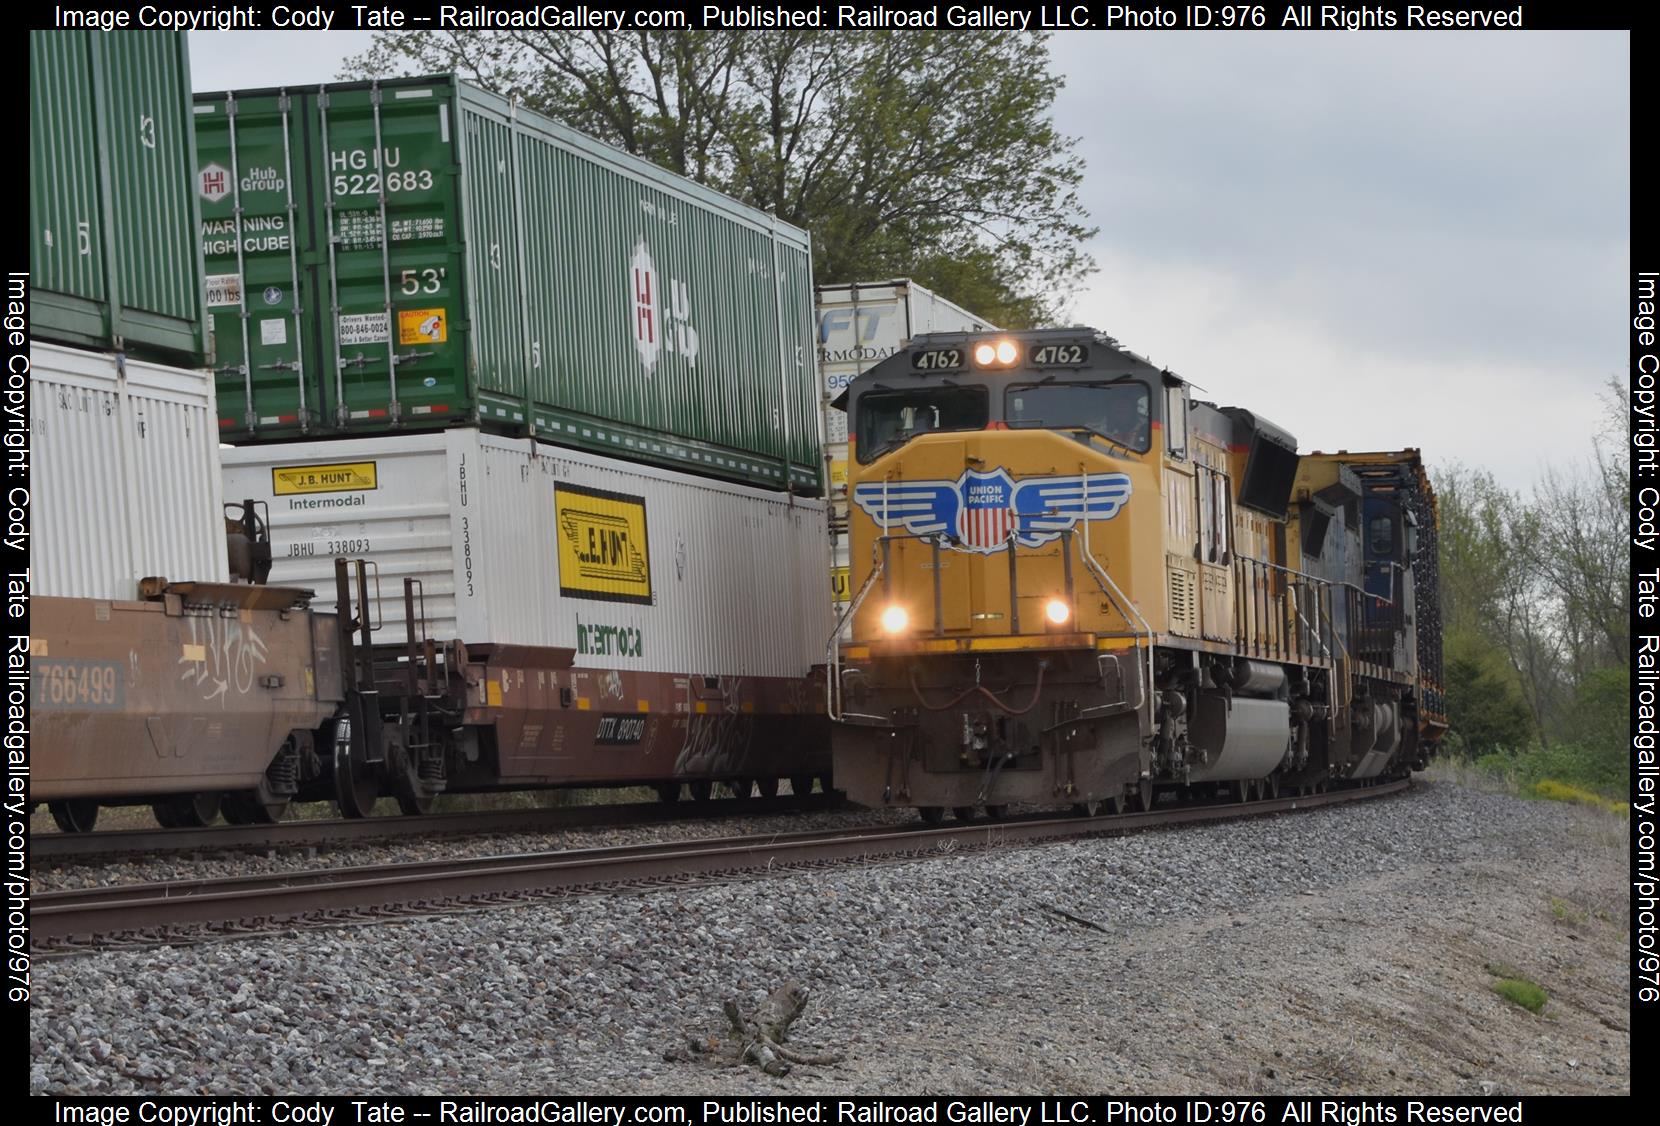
<point x="125" y="477"/>
<point x="860" y="325"/>
<point x="519" y="542"/>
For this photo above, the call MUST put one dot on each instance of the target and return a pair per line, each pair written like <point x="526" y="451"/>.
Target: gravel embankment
<point x="1333" y="951"/>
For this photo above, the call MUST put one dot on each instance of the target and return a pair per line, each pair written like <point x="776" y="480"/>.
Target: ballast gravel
<point x="1349" y="950"/>
<point x="215" y="864"/>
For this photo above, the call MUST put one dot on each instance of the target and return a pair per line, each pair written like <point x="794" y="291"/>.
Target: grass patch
<point x="1552" y="790"/>
<point x="1520" y="991"/>
<point x="1566" y="912"/>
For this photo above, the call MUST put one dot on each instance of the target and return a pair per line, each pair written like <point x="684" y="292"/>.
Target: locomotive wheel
<point x="74" y="815"/>
<point x="996" y="812"/>
<point x="767" y="787"/>
<point x="801" y="784"/>
<point x="668" y="792"/>
<point x="931" y="814"/>
<point x="186" y="811"/>
<point x="963" y="812"/>
<point x="355" y="784"/>
<point x="701" y="789"/>
<point x="1086" y="808"/>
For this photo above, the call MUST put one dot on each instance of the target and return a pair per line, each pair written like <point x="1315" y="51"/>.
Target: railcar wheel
<point x="355" y="786"/>
<point x="74" y="815"/>
<point x="262" y="805"/>
<point x="801" y="784"/>
<point x="1086" y="808"/>
<point x="415" y="795"/>
<point x="931" y="814"/>
<point x="701" y="790"/>
<point x="1240" y="791"/>
<point x="1113" y="806"/>
<point x="668" y="792"/>
<point x="1271" y="786"/>
<point x="963" y="812"/>
<point x="996" y="812"/>
<point x="741" y="788"/>
<point x="186" y="811"/>
<point x="767" y="787"/>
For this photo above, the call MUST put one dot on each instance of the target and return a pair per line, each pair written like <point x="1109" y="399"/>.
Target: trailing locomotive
<point x="1076" y="584"/>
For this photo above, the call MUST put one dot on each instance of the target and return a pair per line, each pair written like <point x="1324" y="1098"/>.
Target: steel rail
<point x="61" y="916"/>
<point x="115" y="843"/>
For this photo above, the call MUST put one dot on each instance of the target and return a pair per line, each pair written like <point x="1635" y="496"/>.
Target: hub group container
<point x="420" y="253"/>
<point x="860" y="325"/>
<point x="126" y="479"/>
<point x="113" y="253"/>
<point x="517" y="542"/>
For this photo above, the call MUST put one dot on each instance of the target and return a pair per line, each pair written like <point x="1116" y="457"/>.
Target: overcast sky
<point x="1374" y="239"/>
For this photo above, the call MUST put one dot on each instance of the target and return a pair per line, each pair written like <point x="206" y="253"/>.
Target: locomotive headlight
<point x="996" y="353"/>
<point x="1057" y="611"/>
<point x="895" y="619"/>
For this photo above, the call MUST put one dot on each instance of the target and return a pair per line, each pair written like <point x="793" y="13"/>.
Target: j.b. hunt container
<point x="516" y="542"/>
<point x="114" y="260"/>
<point x="420" y="253"/>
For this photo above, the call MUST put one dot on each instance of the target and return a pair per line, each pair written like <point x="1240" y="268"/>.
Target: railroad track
<point x="197" y="910"/>
<point x="116" y="843"/>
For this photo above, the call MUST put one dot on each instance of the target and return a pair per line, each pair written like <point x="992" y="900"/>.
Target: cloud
<point x="1446" y="215"/>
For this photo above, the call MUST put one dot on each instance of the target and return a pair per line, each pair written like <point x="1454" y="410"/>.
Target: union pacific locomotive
<point x="1079" y="585"/>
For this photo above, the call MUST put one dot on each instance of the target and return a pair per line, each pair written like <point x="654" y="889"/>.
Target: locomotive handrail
<point x="833" y="651"/>
<point x="1116" y="597"/>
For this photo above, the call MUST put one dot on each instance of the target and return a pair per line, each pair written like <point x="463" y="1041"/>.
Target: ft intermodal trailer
<point x="420" y="254"/>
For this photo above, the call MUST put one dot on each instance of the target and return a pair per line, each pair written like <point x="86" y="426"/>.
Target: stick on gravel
<point x="762" y="1038"/>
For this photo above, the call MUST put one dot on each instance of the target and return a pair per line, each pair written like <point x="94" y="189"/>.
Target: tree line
<point x="1536" y="600"/>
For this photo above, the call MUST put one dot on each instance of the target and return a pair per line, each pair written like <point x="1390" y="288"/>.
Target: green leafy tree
<point x="906" y="154"/>
<point x="1485" y="709"/>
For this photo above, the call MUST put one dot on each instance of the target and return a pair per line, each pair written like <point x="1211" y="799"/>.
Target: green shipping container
<point x="420" y="253"/>
<point x="113" y="249"/>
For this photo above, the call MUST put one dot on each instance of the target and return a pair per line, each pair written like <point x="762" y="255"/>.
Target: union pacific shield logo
<point x="986" y="518"/>
<point x="983" y="513"/>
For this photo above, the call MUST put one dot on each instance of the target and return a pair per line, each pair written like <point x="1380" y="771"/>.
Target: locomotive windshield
<point x="891" y="418"/>
<point x="1116" y="411"/>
